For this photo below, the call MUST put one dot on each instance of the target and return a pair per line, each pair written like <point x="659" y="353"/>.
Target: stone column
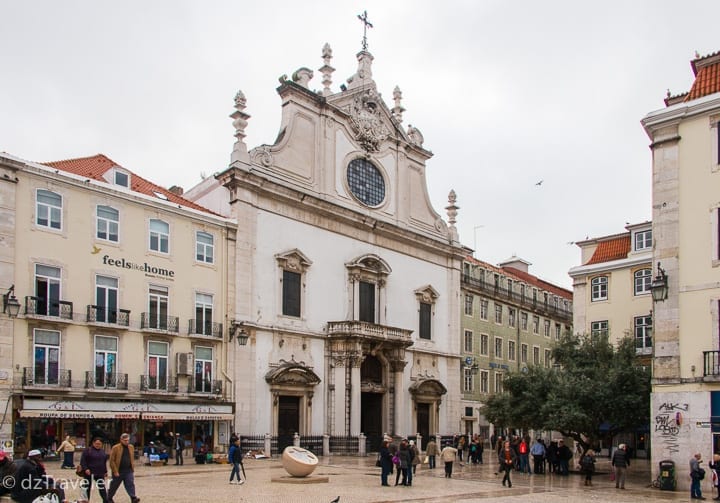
<point x="399" y="409"/>
<point x="326" y="445"/>
<point x="268" y="445"/>
<point x="355" y="394"/>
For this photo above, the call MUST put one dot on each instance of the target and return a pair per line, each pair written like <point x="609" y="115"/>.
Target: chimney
<point x="177" y="190"/>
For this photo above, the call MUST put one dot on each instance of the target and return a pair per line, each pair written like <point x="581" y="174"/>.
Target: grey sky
<point x="505" y="94"/>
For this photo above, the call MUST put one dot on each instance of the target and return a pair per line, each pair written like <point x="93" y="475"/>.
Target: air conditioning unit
<point x="184" y="363"/>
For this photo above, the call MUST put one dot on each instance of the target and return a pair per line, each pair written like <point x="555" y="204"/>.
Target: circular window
<point x="366" y="182"/>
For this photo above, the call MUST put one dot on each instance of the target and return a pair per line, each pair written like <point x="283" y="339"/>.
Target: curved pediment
<point x="293" y="374"/>
<point x="370" y="263"/>
<point x="431" y="387"/>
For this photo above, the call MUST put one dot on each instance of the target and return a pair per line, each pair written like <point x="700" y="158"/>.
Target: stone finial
<point x="326" y="70"/>
<point x="397" y="110"/>
<point x="302" y="76"/>
<point x="240" y="122"/>
<point x="415" y="135"/>
<point x="363" y="76"/>
<point x="452" y="211"/>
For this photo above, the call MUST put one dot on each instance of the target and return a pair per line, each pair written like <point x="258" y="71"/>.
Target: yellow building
<point x="122" y="287"/>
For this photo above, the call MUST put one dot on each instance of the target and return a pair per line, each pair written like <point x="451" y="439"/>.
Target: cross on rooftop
<point x="366" y="24"/>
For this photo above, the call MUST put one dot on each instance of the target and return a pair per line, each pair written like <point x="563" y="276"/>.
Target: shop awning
<point x="180" y="416"/>
<point x="78" y="414"/>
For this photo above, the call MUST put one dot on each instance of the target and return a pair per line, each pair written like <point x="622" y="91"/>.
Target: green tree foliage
<point x="591" y="383"/>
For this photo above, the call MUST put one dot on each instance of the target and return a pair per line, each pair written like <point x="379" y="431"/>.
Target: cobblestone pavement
<point x="357" y="480"/>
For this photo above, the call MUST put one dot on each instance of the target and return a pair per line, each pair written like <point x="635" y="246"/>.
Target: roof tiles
<point x="611" y="249"/>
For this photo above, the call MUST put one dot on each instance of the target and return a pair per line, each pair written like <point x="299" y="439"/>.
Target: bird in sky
<point x="540" y="183"/>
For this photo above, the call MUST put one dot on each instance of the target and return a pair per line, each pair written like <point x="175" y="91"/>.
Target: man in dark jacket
<point x="93" y="463"/>
<point x="31" y="480"/>
<point x="179" y="446"/>
<point x="621" y="461"/>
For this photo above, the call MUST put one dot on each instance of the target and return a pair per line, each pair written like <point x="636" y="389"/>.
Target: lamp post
<point x="237" y="331"/>
<point x="11" y="306"/>
<point x="659" y="285"/>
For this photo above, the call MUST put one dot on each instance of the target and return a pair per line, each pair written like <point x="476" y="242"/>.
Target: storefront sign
<point x="150" y="411"/>
<point x="144" y="267"/>
<point x="78" y="414"/>
<point x="169" y="416"/>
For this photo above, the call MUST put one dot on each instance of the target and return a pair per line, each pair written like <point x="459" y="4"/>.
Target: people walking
<point x="93" y="463"/>
<point x="67" y="447"/>
<point x="537" y="451"/>
<point x="415" y="456"/>
<point x="620" y="461"/>
<point x="386" y="464"/>
<point x="715" y="467"/>
<point x="431" y="451"/>
<point x="405" y="456"/>
<point x="448" y="455"/>
<point x="122" y="469"/>
<point x="31" y="480"/>
<point x="235" y="457"/>
<point x="179" y="447"/>
<point x="587" y="465"/>
<point x="507" y="459"/>
<point x="564" y="455"/>
<point x="697" y="473"/>
<point x="524" y="452"/>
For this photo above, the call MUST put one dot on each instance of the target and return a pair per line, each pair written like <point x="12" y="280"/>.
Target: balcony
<point x="208" y="386"/>
<point x="54" y="308"/>
<point x="57" y="378"/>
<point x="103" y="381"/>
<point x="100" y="314"/>
<point x="155" y="384"/>
<point x="159" y="323"/>
<point x="205" y="329"/>
<point x="368" y="330"/>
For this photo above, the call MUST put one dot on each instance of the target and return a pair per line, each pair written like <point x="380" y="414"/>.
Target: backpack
<point x="586" y="463"/>
<point x="700" y="473"/>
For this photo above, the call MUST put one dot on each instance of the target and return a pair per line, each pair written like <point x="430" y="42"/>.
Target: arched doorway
<point x="427" y="395"/>
<point x="372" y="399"/>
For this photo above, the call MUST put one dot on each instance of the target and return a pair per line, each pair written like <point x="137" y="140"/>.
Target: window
<point x="498" y="347"/>
<point x="106" y="299"/>
<point x="536" y="324"/>
<point x="599" y="328"/>
<point x="106" y="361"/>
<point x="203" y="369"/>
<point x="545" y="299"/>
<point x="523" y="353"/>
<point x="643" y="334"/>
<point x="47" y="290"/>
<point x="484" y="344"/>
<point x="425" y="320"/>
<point x="484" y="309"/>
<point x="367" y="302"/>
<point x="159" y="236"/>
<point x="467" y="380"/>
<point x="524" y="321"/>
<point x="546" y="328"/>
<point x="498" y="382"/>
<point x="511" y="351"/>
<point x="511" y="317"/>
<point x="122" y="178"/>
<point x="599" y="288"/>
<point x="468" y="341"/>
<point x="643" y="280"/>
<point x="203" y="314"/>
<point x="522" y="292"/>
<point x="291" y="293"/>
<point x="534" y="298"/>
<point x="548" y="357"/>
<point x="643" y="240"/>
<point x="484" y="377"/>
<point x="509" y="287"/>
<point x="536" y="355"/>
<point x="204" y="247"/>
<point x="107" y="221"/>
<point x="49" y="209"/>
<point x="46" y="356"/>
<point x="498" y="313"/>
<point x="158" y="307"/>
<point x="468" y="305"/>
<point x="557" y="331"/>
<point x="157" y="376"/>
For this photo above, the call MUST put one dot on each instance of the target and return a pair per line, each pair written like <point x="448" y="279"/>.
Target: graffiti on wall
<point x="668" y="421"/>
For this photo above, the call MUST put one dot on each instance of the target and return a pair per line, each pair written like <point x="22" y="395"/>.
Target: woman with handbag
<point x="93" y="468"/>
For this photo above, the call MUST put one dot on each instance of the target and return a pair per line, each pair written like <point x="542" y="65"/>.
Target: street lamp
<point x="238" y="331"/>
<point x="659" y="286"/>
<point x="11" y="306"/>
<point x="472" y="365"/>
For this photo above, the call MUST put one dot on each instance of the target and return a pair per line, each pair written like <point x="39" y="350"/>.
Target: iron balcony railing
<point x="212" y="386"/>
<point x="100" y="314"/>
<point x="368" y="330"/>
<point x="155" y="383"/>
<point x="528" y="302"/>
<point x="106" y="380"/>
<point x="49" y="376"/>
<point x="154" y="322"/>
<point x="207" y="328"/>
<point x="712" y="363"/>
<point x="40" y="306"/>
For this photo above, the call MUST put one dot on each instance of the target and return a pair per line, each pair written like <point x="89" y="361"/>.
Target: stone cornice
<point x="626" y="263"/>
<point x="677" y="113"/>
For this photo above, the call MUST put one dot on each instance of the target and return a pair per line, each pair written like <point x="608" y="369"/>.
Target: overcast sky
<point x="505" y="93"/>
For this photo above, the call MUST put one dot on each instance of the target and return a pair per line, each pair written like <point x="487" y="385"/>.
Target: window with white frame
<point x="48" y="209"/>
<point x="157" y="365"/>
<point x="524" y="321"/>
<point x="484" y="304"/>
<point x="511" y="351"/>
<point x="498" y="347"/>
<point x="107" y="222"/>
<point x="468" y="305"/>
<point x="106" y="352"/>
<point x="546" y="328"/>
<point x="484" y="343"/>
<point x="121" y="178"/>
<point x="46" y="357"/>
<point x="523" y="353"/>
<point x="159" y="236"/>
<point x="642" y="280"/>
<point x="293" y="266"/>
<point x="484" y="378"/>
<point x="158" y="298"/>
<point x="47" y="290"/>
<point x="557" y="331"/>
<point x="548" y="357"/>
<point x="599" y="328"/>
<point x="536" y="355"/>
<point x="468" y="341"/>
<point x="467" y="380"/>
<point x="511" y="317"/>
<point x="106" y="299"/>
<point x="203" y="369"/>
<point x="536" y="325"/>
<point x="203" y="314"/>
<point x="643" y="240"/>
<point x="204" y="247"/>
<point x="643" y="334"/>
<point x="498" y="313"/>
<point x="498" y="382"/>
<point x="599" y="288"/>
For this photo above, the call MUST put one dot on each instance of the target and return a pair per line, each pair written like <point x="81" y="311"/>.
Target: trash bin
<point x="667" y="475"/>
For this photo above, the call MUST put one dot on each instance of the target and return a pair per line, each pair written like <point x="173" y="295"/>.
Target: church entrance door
<point x="288" y="420"/>
<point x="423" y="420"/>
<point x="371" y="419"/>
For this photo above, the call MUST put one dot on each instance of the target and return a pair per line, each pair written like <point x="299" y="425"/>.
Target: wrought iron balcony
<point x="40" y="306"/>
<point x="712" y="363"/>
<point x="205" y="386"/>
<point x="162" y="323"/>
<point x="157" y="384"/>
<point x="368" y="331"/>
<point x="61" y="378"/>
<point x="100" y="314"/>
<point x="103" y="380"/>
<point x="205" y="328"/>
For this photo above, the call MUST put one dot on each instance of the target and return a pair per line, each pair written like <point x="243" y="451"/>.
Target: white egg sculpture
<point x="298" y="462"/>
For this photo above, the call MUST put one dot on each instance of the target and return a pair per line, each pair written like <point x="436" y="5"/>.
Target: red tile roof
<point x="707" y="79"/>
<point x="611" y="249"/>
<point x="96" y="166"/>
<point x="525" y="277"/>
